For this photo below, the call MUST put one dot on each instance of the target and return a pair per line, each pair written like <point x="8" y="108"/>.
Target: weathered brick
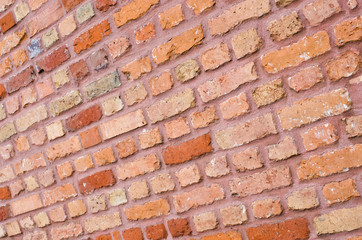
<point x="284" y="149"/>
<point x="40" y="235"/>
<point x="112" y="105"/>
<point x="354" y="126"/>
<point x="41" y="219"/>
<point x="305" y="78"/>
<point x="356" y="80"/>
<point x="118" y="47"/>
<point x="149" y="138"/>
<point x="138" y="190"/>
<point x="233" y="215"/>
<point x="178" y="45"/>
<point x="246" y="132"/>
<point x="126" y="147"/>
<point x="171" y="17"/>
<point x="12" y="228"/>
<point x="5" y="67"/>
<point x="122" y="124"/>
<point x="246" y="42"/>
<point x="83" y="163"/>
<point x="266" y="208"/>
<point x="57" y="214"/>
<point x="45" y="88"/>
<point x="117" y="197"/>
<point x="26" y="204"/>
<point x="93" y="35"/>
<point x="97" y="180"/>
<point x="84" y="13"/>
<point x="348" y="219"/>
<point x="135" y="94"/>
<point x="237" y="14"/>
<point x="22" y="79"/>
<point x="84" y="118"/>
<point x="303" y="199"/>
<point x="230" y="235"/>
<point x="35" y="48"/>
<point x="102" y="85"/>
<point x="287" y="26"/>
<point x="22" y="144"/>
<point x="46" y="178"/>
<point x="148" y="210"/>
<point x="215" y="56"/>
<point x="28" y="96"/>
<point x="140" y="166"/>
<point x="19" y="57"/>
<point x="6" y="131"/>
<point x="64" y="103"/>
<point x="104" y="5"/>
<point x="16" y="187"/>
<point x="70" y="4"/>
<point x="205" y="221"/>
<point x="337" y="192"/>
<point x="161" y="84"/>
<point x="55" y="130"/>
<point x="198" y="197"/>
<point x="256" y="183"/>
<point x="311" y="109"/>
<point x="31" y="117"/>
<point x="132" y="234"/>
<point x="12" y="104"/>
<point x="156" y="232"/>
<point x="38" y="137"/>
<point x="30" y="163"/>
<point x="59" y="194"/>
<point x="3" y="92"/>
<point x="65" y="170"/>
<point x="337" y="161"/>
<point x="35" y="4"/>
<point x="292" y="229"/>
<point x="66" y="231"/>
<point x="102" y="222"/>
<point x="296" y="53"/>
<point x="50" y="37"/>
<point x="11" y="41"/>
<point x="60" y="78"/>
<point x="98" y="60"/>
<point x="5" y="193"/>
<point x="64" y="148"/>
<point x="188" y="150"/>
<point x="319" y="136"/>
<point x="187" y="70"/>
<point x="348" y="31"/>
<point x="198" y="6"/>
<point x="67" y="26"/>
<point x="188" y="175"/>
<point x="145" y="33"/>
<point x="79" y="70"/>
<point x="204" y="118"/>
<point x="234" y="106"/>
<point x="7" y="151"/>
<point x="52" y="60"/>
<point x="217" y="167"/>
<point x="5" y="212"/>
<point x="5" y="4"/>
<point x="319" y="10"/>
<point x="162" y="183"/>
<point x="31" y="183"/>
<point x="96" y="203"/>
<point x="343" y="65"/>
<point x="104" y="156"/>
<point x="76" y="208"/>
<point x="137" y="68"/>
<point x="179" y="227"/>
<point x="7" y="21"/>
<point x="177" y="128"/>
<point x="227" y="82"/>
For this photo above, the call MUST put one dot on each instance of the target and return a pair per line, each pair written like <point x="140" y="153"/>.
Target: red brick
<point x="7" y="22"/>
<point x="96" y="181"/>
<point x="70" y="4"/>
<point x="3" y="92"/>
<point x="305" y="78"/>
<point x="188" y="150"/>
<point x="59" y="194"/>
<point x="52" y="60"/>
<point x="126" y="148"/>
<point x="135" y="69"/>
<point x="338" y="192"/>
<point x="156" y="232"/>
<point x="140" y="166"/>
<point x="231" y="235"/>
<point x="79" y="70"/>
<point x="64" y="148"/>
<point x="104" y="156"/>
<point x="84" y="118"/>
<point x="30" y="163"/>
<point x="148" y="210"/>
<point x="132" y="234"/>
<point x="104" y="5"/>
<point x="198" y="6"/>
<point x="266" y="208"/>
<point x="293" y="229"/>
<point x="319" y="136"/>
<point x="215" y="57"/>
<point x="319" y="10"/>
<point x="22" y="79"/>
<point x="5" y="193"/>
<point x="179" y="227"/>
<point x="145" y="33"/>
<point x="348" y="31"/>
<point x="5" y="212"/>
<point x="161" y="84"/>
<point x="343" y="65"/>
<point x="171" y="17"/>
<point x="90" y="137"/>
<point x="91" y="36"/>
<point x="26" y="204"/>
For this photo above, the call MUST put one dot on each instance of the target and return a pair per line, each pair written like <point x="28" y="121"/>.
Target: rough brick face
<point x="348" y="31"/>
<point x="343" y="65"/>
<point x="342" y="191"/>
<point x="95" y="181"/>
<point x="148" y="210"/>
<point x="84" y="118"/>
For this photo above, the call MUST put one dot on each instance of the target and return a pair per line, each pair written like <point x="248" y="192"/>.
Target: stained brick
<point x="145" y="33"/>
<point x="171" y="17"/>
<point x="343" y="65"/>
<point x="319" y="136"/>
<point x="84" y="118"/>
<point x="64" y="148"/>
<point x="347" y="31"/>
<point x="246" y="43"/>
<point x="305" y="78"/>
<point x="22" y="79"/>
<point x="319" y="10"/>
<point x="98" y="60"/>
<point x="64" y="103"/>
<point x="118" y="47"/>
<point x="96" y="181"/>
<point x="287" y="26"/>
<point x="187" y="70"/>
<point x="354" y="126"/>
<point x="148" y="210"/>
<point x="5" y="212"/>
<point x="337" y="192"/>
<point x="140" y="166"/>
<point x="52" y="60"/>
<point x="215" y="56"/>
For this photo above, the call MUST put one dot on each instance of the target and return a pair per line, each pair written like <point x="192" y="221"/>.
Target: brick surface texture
<point x="181" y="119"/>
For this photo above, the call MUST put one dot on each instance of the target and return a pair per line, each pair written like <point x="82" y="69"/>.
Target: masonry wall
<point x="180" y="119"/>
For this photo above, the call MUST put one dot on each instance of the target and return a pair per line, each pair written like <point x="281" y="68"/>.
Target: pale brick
<point x="65" y="103"/>
<point x="354" y="126"/>
<point x="233" y="215"/>
<point x="26" y="204"/>
<point x="234" y="106"/>
<point x="162" y="183"/>
<point x="31" y="183"/>
<point x="57" y="214"/>
<point x="215" y="56"/>
<point x="50" y="37"/>
<point x="21" y="10"/>
<point x="102" y="85"/>
<point x="205" y="221"/>
<point x="7" y="151"/>
<point x="12" y="228"/>
<point x="135" y="94"/>
<point x="22" y="144"/>
<point x="11" y="41"/>
<point x="118" y="47"/>
<point x="284" y="149"/>
<point x="55" y="130"/>
<point x="138" y="190"/>
<point x="319" y="136"/>
<point x="305" y="78"/>
<point x="188" y="175"/>
<point x="27" y="223"/>
<point x="112" y="105"/>
<point x="287" y="26"/>
<point x="16" y="187"/>
<point x="319" y="10"/>
<point x="266" y="208"/>
<point x="149" y="138"/>
<point x="76" y="208"/>
<point x="204" y="118"/>
<point x="66" y="231"/>
<point x="84" y="13"/>
<point x="117" y="197"/>
<point x="161" y="84"/>
<point x="83" y="163"/>
<point x="67" y="26"/>
<point x="30" y="163"/>
<point x="41" y="219"/>
<point x="217" y="167"/>
<point x="65" y="170"/>
<point x="338" y="192"/>
<point x="46" y="178"/>
<point x="246" y="43"/>
<point x="60" y="78"/>
<point x="269" y="93"/>
<point x="59" y="194"/>
<point x="31" y="117"/>
<point x="28" y="96"/>
<point x="6" y="174"/>
<point x="187" y="70"/>
<point x="177" y="128"/>
<point x="97" y="203"/>
<point x="140" y="166"/>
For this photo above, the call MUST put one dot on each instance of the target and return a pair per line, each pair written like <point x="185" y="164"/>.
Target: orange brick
<point x="104" y="5"/>
<point x="83" y="163"/>
<point x="5" y="193"/>
<point x="319" y="10"/>
<point x="97" y="180"/>
<point x="140" y="166"/>
<point x="59" y="194"/>
<point x="337" y="192"/>
<point x="179" y="227"/>
<point x="354" y="126"/>
<point x="35" y="4"/>
<point x="248" y="159"/>
<point x="22" y="144"/>
<point x="76" y="208"/>
<point x="233" y="215"/>
<point x="90" y="137"/>
<point x="126" y="147"/>
<point x="287" y="26"/>
<point x="30" y="163"/>
<point x="104" y="156"/>
<point x="63" y="149"/>
<point x="204" y="118"/>
<point x="11" y="41"/>
<point x="348" y="31"/>
<point x="149" y="138"/>
<point x="246" y="43"/>
<point x="68" y="230"/>
<point x="230" y="235"/>
<point x="284" y="149"/>
<point x="303" y="199"/>
<point x="177" y="128"/>
<point x="137" y="68"/>
<point x="343" y="65"/>
<point x="5" y="67"/>
<point x="156" y="232"/>
<point x="135" y="94"/>
<point x="161" y="84"/>
<point x="171" y="17"/>
<point x="118" y="47"/>
<point x="234" y="106"/>
<point x="198" y="6"/>
<point x="145" y="33"/>
<point x="319" y="136"/>
<point x="148" y="210"/>
<point x="45" y="88"/>
<point x="26" y="204"/>
<point x="305" y="78"/>
<point x="188" y="175"/>
<point x="65" y="170"/>
<point x="7" y="22"/>
<point x="266" y="208"/>
<point x="215" y="57"/>
<point x="132" y="234"/>
<point x="138" y="190"/>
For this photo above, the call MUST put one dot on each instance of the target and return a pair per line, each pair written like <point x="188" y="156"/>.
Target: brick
<point x="138" y="190"/>
<point x="28" y="96"/>
<point x="283" y="3"/>
<point x="126" y="147"/>
<point x="6" y="131"/>
<point x="352" y="4"/>
<point x="84" y="13"/>
<point x="140" y="166"/>
<point x="177" y="128"/>
<point x="132" y="11"/>
<point x="215" y="57"/>
<point x="84" y="118"/>
<point x="79" y="70"/>
<point x="2" y="112"/>
<point x="292" y="55"/>
<point x="161" y="84"/>
<point x="70" y="4"/>
<point x="227" y="82"/>
<point x="26" y="204"/>
<point x="171" y="106"/>
<point x="233" y="215"/>
<point x="266" y="208"/>
<point x="46" y="178"/>
<point x="205" y="221"/>
<point x="104" y="156"/>
<point x="52" y="60"/>
<point x="3" y="92"/>
<point x="40" y="235"/>
<point x="57" y="214"/>
<point x="246" y="42"/>
<point x="93" y="35"/>
<point x="188" y="150"/>
<point x="187" y="70"/>
<point x="337" y="161"/>
<point x="119" y="46"/>
<point x="318" y="11"/>
<point x="122" y="124"/>
<point x="217" y="167"/>
<point x="148" y="210"/>
<point x="76" y="208"/>
<point x="246" y="132"/>
<point x="305" y="78"/>
<point x="19" y="57"/>
<point x="12" y="228"/>
<point x="188" y="175"/>
<point x="31" y="183"/>
<point x="46" y="18"/>
<point x="11" y="41"/>
<point x="104" y="5"/>
<point x="171" y="17"/>
<point x="90" y="137"/>
<point x="5" y="4"/>
<point x="135" y="94"/>
<point x="38" y="137"/>
<point x="112" y="105"/>
<point x="348" y="219"/>
<point x="64" y="148"/>
<point x="178" y="45"/>
<point x="343" y="65"/>
<point x="237" y="14"/>
<point x="291" y="229"/>
<point x="35" y="48"/>
<point x="5" y="212"/>
<point x="337" y="192"/>
<point x="98" y="60"/>
<point x="102" y="85"/>
<point x="117" y="197"/>
<point x="60" y="78"/>
<point x="22" y="79"/>
<point x="284" y="149"/>
<point x="22" y="144"/>
<point x="356" y="80"/>
<point x="137" y="68"/>
<point x="45" y="88"/>
<point x="96" y="203"/>
<point x="83" y="163"/>
<point x="162" y="183"/>
<point x="5" y="193"/>
<point x="97" y="180"/>
<point x="199" y="6"/>
<point x="27" y="223"/>
<point x="7" y="21"/>
<point x="16" y="188"/>
<point x="179" y="227"/>
<point x="149" y="138"/>
<point x="156" y="232"/>
<point x="269" y="93"/>
<point x="7" y="151"/>
<point x="285" y="27"/>
<point x="270" y="179"/>
<point x="31" y="117"/>
<point x="5" y="67"/>
<point x="145" y="33"/>
<point x="102" y="222"/>
<point x="319" y="136"/>
<point x="198" y="197"/>
<point x="35" y="4"/>
<point x="66" y="231"/>
<point x="234" y="106"/>
<point x="204" y="118"/>
<point x="347" y="31"/>
<point x="50" y="37"/>
<point x="59" y="194"/>
<point x="41" y="219"/>
<point x="311" y="109"/>
<point x="67" y="26"/>
<point x="132" y="234"/>
<point x="354" y="126"/>
<point x="230" y="235"/>
<point x="55" y="130"/>
<point x="65" y="170"/>
<point x="65" y="102"/>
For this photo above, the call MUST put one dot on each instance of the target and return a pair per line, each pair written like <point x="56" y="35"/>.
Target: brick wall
<point x="188" y="119"/>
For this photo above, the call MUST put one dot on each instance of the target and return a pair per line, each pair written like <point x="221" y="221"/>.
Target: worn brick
<point x="140" y="166"/>
<point x="35" y="48"/>
<point x="41" y="219"/>
<point x="5" y="4"/>
<point x="161" y="84"/>
<point x="67" y="26"/>
<point x="66" y="231"/>
<point x="348" y="31"/>
<point x="60" y="78"/>
<point x="343" y="65"/>
<point x="65" y="170"/>
<point x="35" y="4"/>
<point x="149" y="138"/>
<point x="233" y="215"/>
<point x="215" y="57"/>
<point x="126" y="147"/>
<point x="199" y="6"/>
<point x="6" y="131"/>
<point x="117" y="197"/>
<point x="205" y="221"/>
<point x="292" y="55"/>
<point x="178" y="45"/>
<point x="31" y="117"/>
<point x="337" y="192"/>
<point x="284" y="149"/>
<point x="22" y="144"/>
<point x="3" y="92"/>
<point x="7" y="21"/>
<point x="55" y="130"/>
<point x="177" y="128"/>
<point x="156" y="232"/>
<point x="112" y="105"/>
<point x="84" y="118"/>
<point x="198" y="197"/>
<point x="96" y="181"/>
<point x="65" y="102"/>
<point x="12" y="228"/>
<point x="26" y="204"/>
<point x="64" y="148"/>
<point x="217" y="167"/>
<point x="50" y="37"/>
<point x="57" y="214"/>
<point x="162" y="183"/>
<point x="84" y="13"/>
<point x="135" y="94"/>
<point x="354" y="126"/>
<point x="266" y="208"/>
<point x="97" y="203"/>
<point x="230" y="235"/>
<point x="83" y="163"/>
<point x="79" y="70"/>
<point x="46" y="178"/>
<point x="188" y="175"/>
<point x="31" y="183"/>
<point x="311" y="109"/>
<point x="22" y="79"/>
<point x="256" y="183"/>
<point x="319" y="10"/>
<point x="145" y="33"/>
<point x="118" y="47"/>
<point x="19" y="57"/>
<point x="28" y="96"/>
<point x="70" y="4"/>
<point x="59" y="194"/>
<point x="138" y="190"/>
<point x="76" y="208"/>
<point x="16" y="187"/>
<point x="187" y="70"/>
<point x="7" y="151"/>
<point x="171" y="17"/>
<point x="45" y="88"/>
<point x="104" y="156"/>
<point x="287" y="26"/>
<point x="319" y="136"/>
<point x="52" y="60"/>
<point x="179" y="227"/>
<point x="234" y="106"/>
<point x="204" y="118"/>
<point x="98" y="60"/>
<point x="38" y="137"/>
<point x="137" y="68"/>
<point x="5" y="67"/>
<point x="104" y="5"/>
<point x="102" y="85"/>
<point x="227" y="82"/>
<point x="305" y="78"/>
<point x="246" y="42"/>
<point x="12" y="104"/>
<point x="148" y="210"/>
<point x="102" y="222"/>
<point x="11" y="41"/>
